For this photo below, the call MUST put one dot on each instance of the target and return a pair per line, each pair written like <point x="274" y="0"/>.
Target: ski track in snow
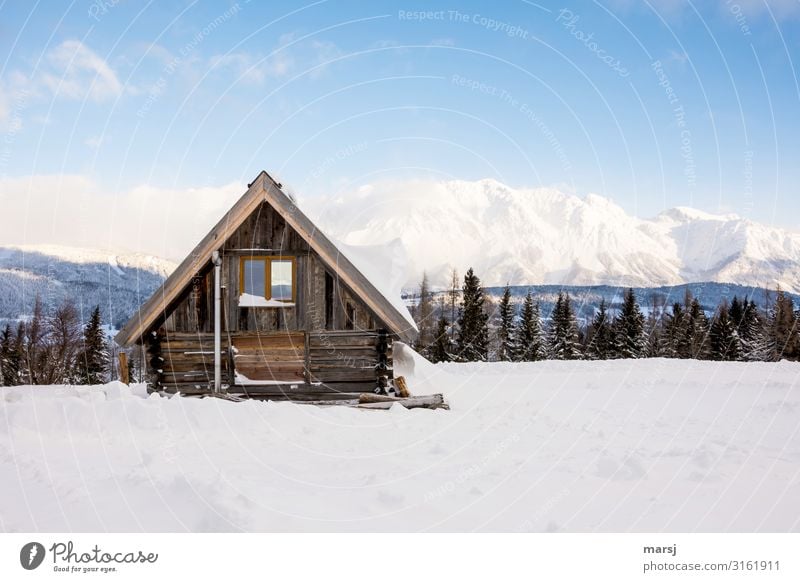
<point x="648" y="445"/>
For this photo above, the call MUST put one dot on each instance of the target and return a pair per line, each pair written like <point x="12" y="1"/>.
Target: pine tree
<point x="696" y="338"/>
<point x="755" y="346"/>
<point x="602" y="345"/>
<point x="442" y="345"/>
<point x="473" y="335"/>
<point x="92" y="363"/>
<point x="505" y="330"/>
<point x="736" y="313"/>
<point x="7" y="377"/>
<point x="564" y="344"/>
<point x="673" y="335"/>
<point x="783" y="328"/>
<point x="528" y="336"/>
<point x="724" y="339"/>
<point x="18" y="356"/>
<point x="629" y="328"/>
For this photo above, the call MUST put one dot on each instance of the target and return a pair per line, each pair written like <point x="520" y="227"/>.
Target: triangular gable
<point x="264" y="189"/>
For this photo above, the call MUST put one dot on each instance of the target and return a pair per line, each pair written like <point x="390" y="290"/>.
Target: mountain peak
<point x="529" y="236"/>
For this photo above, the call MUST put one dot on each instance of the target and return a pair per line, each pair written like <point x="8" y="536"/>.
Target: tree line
<point x="55" y="348"/>
<point x="737" y="331"/>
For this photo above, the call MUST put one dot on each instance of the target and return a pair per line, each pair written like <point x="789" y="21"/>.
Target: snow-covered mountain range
<point x="117" y="282"/>
<point x="545" y="236"/>
<point x="538" y="236"/>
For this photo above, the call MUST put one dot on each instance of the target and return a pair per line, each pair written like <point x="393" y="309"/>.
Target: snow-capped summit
<point x="546" y="236"/>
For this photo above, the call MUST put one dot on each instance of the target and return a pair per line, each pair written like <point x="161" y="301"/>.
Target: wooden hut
<point x="267" y="305"/>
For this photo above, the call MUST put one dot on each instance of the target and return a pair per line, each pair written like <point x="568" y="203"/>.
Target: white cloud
<point x="253" y="69"/>
<point x="95" y="141"/>
<point x="73" y="210"/>
<point x="77" y="72"/>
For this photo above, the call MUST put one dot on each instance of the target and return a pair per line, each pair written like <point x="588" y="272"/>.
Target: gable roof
<point x="265" y="189"/>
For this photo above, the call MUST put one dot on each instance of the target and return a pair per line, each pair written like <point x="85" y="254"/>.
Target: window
<point x="267" y="281"/>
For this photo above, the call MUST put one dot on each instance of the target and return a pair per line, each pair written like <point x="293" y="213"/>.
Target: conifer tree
<point x="696" y="336"/>
<point x="736" y="313"/>
<point x="602" y="345"/>
<point x="724" y="339"/>
<point x="673" y="335"/>
<point x="755" y="346"/>
<point x="528" y="336"/>
<point x="473" y="335"/>
<point x="783" y="328"/>
<point x="92" y="363"/>
<point x="505" y="329"/>
<point x="564" y="344"/>
<point x="18" y="356"/>
<point x="442" y="345"/>
<point x="7" y="377"/>
<point x="629" y="328"/>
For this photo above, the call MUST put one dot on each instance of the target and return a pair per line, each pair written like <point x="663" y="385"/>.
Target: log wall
<point x="342" y="361"/>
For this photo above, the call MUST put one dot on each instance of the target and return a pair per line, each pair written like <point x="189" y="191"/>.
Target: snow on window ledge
<point x="247" y="300"/>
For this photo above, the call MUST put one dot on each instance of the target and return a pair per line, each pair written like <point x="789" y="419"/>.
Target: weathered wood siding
<point x="265" y="233"/>
<point x="340" y="360"/>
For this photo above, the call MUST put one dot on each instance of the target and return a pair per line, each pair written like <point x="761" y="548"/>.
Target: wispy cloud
<point x="75" y="71"/>
<point x="253" y="68"/>
<point x="95" y="141"/>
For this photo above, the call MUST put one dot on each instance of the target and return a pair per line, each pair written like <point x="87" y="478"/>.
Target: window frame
<point x="268" y="259"/>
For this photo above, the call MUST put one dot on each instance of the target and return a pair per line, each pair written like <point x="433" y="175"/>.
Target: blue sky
<point x="653" y="105"/>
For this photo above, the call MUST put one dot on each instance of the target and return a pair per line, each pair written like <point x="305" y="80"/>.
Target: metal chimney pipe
<point x="217" y="261"/>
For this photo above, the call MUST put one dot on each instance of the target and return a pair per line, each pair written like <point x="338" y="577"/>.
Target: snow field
<point x="648" y="445"/>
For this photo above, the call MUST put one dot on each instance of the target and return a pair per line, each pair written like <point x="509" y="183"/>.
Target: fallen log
<point x="377" y="401"/>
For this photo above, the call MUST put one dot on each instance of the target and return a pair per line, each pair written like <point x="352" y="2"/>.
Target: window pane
<point x="254" y="277"/>
<point x="282" y="280"/>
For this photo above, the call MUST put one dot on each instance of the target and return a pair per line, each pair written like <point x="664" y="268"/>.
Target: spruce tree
<point x="528" y="336"/>
<point x="672" y="338"/>
<point x="442" y="345"/>
<point x="755" y="346"/>
<point x="563" y="339"/>
<point x="602" y="345"/>
<point x="7" y="377"/>
<point x="473" y="334"/>
<point x="505" y="329"/>
<point x="696" y="332"/>
<point x="725" y="343"/>
<point x="92" y="363"/>
<point x="783" y="328"/>
<point x="629" y="328"/>
<point x="736" y="313"/>
<point x="18" y="356"/>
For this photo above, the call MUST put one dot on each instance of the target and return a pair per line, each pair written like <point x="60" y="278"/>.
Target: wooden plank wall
<point x="352" y="358"/>
<point x="266" y="233"/>
<point x="270" y="357"/>
<point x="351" y="361"/>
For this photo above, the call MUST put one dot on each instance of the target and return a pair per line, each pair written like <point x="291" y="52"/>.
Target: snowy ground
<point x="588" y="446"/>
